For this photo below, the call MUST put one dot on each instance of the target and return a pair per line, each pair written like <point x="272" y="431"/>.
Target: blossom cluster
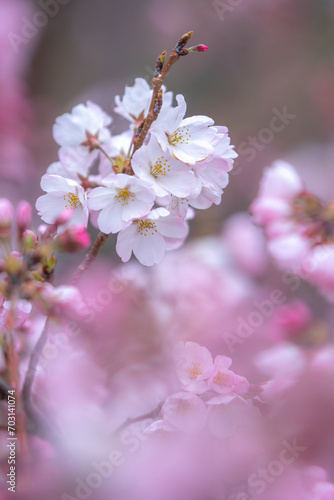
<point x="240" y="416"/>
<point x="210" y="391"/>
<point x="299" y="226"/>
<point x="145" y="195"/>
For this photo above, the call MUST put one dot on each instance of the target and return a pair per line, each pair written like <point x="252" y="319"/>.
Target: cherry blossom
<point x="279" y="186"/>
<point x="73" y="162"/>
<point x="121" y="198"/>
<point x="150" y="236"/>
<point x="59" y="301"/>
<point x="165" y="173"/>
<point x="85" y="126"/>
<point x="136" y="101"/>
<point x="62" y="194"/>
<point x="184" y="411"/>
<point x="189" y="140"/>
<point x="20" y="310"/>
<point x="224" y="381"/>
<point x="194" y="366"/>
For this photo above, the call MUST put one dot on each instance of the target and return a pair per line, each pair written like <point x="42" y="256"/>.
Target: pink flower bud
<point x="74" y="239"/>
<point x="23" y="215"/>
<point x="64" y="217"/>
<point x="43" y="231"/>
<point x="6" y="217"/>
<point x="201" y="48"/>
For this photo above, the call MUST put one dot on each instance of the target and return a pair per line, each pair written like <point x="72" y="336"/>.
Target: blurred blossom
<point x="193" y="369"/>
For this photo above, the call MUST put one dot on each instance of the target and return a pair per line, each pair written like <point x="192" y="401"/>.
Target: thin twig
<point x="40" y="424"/>
<point x="90" y="257"/>
<point x="129" y="421"/>
<point x="15" y="385"/>
<point x="33" y="362"/>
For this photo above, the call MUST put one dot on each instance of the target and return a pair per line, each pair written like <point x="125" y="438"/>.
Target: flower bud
<point x="43" y="231"/>
<point x="29" y="240"/>
<point x="199" y="48"/>
<point x="183" y="41"/>
<point x="23" y="216"/>
<point x="74" y="239"/>
<point x="6" y="217"/>
<point x="14" y="264"/>
<point x="49" y="266"/>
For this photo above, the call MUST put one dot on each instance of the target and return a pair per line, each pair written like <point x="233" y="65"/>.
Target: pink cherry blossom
<point x="60" y="301"/>
<point x="184" y="411"/>
<point x="194" y="366"/>
<point x="279" y="186"/>
<point x="224" y="381"/>
<point x="20" y="310"/>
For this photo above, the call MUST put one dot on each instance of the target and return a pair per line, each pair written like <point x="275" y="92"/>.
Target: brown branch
<point x="157" y="82"/>
<point x="90" y="257"/>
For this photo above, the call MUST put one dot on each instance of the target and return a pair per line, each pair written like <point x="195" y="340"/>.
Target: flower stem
<point x="90" y="257"/>
<point x="41" y="425"/>
<point x="15" y="384"/>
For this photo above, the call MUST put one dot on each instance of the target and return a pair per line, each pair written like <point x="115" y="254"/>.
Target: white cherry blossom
<point x="149" y="237"/>
<point x="120" y="199"/>
<point x="165" y="173"/>
<point x="136" y="100"/>
<point x="62" y="194"/>
<point x="71" y="129"/>
<point x="189" y="140"/>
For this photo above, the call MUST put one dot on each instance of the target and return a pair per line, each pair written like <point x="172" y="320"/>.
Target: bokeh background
<point x="263" y="55"/>
<point x="266" y="58"/>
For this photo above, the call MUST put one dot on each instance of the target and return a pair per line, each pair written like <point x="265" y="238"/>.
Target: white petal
<point x="149" y="249"/>
<point x="125" y="241"/>
<point x="172" y="227"/>
<point x="110" y="219"/>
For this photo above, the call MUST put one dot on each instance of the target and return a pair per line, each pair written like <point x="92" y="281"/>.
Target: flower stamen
<point x="146" y="226"/>
<point x="124" y="196"/>
<point x="71" y="200"/>
<point x="194" y="370"/>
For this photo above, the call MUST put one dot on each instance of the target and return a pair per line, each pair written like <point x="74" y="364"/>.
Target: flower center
<point x="161" y="167"/>
<point x="194" y="370"/>
<point x="71" y="200"/>
<point x="146" y="226"/>
<point x="317" y="220"/>
<point x="124" y="196"/>
<point x="180" y="136"/>
<point x="185" y="407"/>
<point x="221" y="378"/>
